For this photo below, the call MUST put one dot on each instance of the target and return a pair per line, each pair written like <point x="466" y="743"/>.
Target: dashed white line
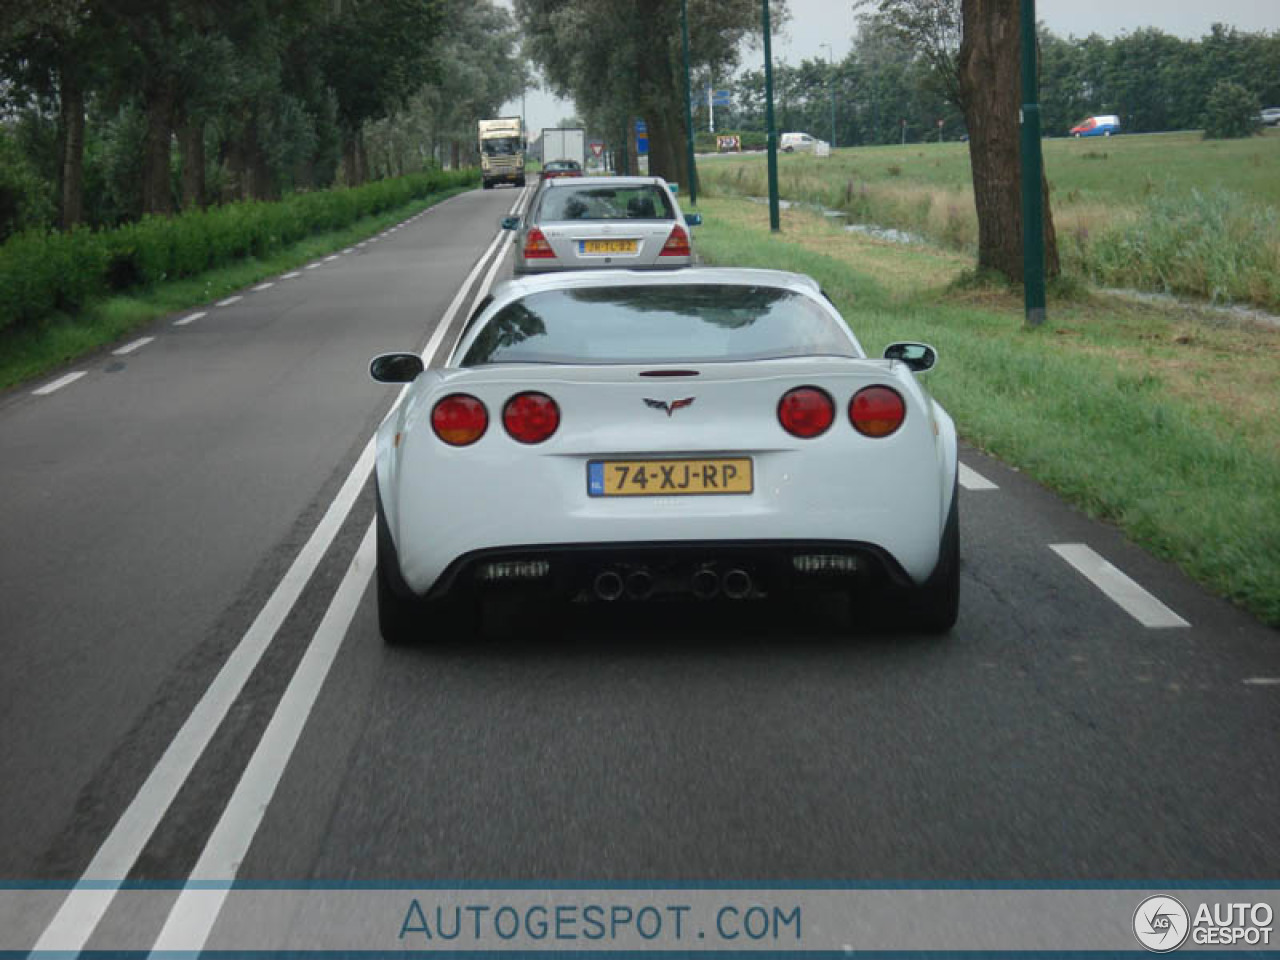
<point x="229" y="301"/>
<point x="291" y="275"/>
<point x="330" y="259"/>
<point x="362" y="243"/>
<point x="58" y="384"/>
<point x="311" y="266"/>
<point x="348" y="250"/>
<point x="130" y="347"/>
<point x="189" y="318"/>
<point x="264" y="286"/>
<point x="1262" y="681"/>
<point x="1133" y="599"/>
<point x="970" y="479"/>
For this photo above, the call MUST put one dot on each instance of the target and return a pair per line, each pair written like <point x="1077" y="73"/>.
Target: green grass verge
<point x="1149" y="418"/>
<point x="1165" y="212"/>
<point x="34" y="350"/>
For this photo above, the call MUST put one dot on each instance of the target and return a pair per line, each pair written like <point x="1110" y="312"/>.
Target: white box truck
<point x="501" y="142"/>
<point x="564" y="143"/>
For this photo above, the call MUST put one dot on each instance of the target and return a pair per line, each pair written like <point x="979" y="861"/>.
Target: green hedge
<point x="43" y="273"/>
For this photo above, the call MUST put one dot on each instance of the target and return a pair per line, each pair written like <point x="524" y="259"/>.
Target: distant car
<point x="613" y="436"/>
<point x="798" y="143"/>
<point x="1103" y="126"/>
<point x="576" y="223"/>
<point x="1270" y="117"/>
<point x="561" y="168"/>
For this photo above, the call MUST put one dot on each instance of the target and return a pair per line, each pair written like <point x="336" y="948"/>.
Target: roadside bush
<point x="1215" y="244"/>
<point x="1231" y="111"/>
<point x="42" y="273"/>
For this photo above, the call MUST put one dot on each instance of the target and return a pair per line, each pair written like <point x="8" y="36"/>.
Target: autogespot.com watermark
<point x="427" y="922"/>
<point x="1162" y="924"/>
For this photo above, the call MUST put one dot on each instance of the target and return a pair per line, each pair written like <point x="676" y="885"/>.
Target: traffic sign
<point x="597" y="148"/>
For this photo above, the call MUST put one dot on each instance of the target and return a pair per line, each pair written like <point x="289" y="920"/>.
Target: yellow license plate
<point x="609" y="246"/>
<point x="668" y="478"/>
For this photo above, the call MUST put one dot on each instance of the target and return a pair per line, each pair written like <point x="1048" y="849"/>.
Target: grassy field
<point x="1158" y="418"/>
<point x="1163" y="212"/>
<point x="31" y="351"/>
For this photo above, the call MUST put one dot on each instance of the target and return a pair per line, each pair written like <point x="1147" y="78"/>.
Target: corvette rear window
<point x="680" y="323"/>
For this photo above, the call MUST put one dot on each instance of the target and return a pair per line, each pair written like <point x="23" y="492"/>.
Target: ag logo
<point x="1161" y="924"/>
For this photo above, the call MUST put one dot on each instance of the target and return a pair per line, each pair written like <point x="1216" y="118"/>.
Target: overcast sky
<point x="817" y="22"/>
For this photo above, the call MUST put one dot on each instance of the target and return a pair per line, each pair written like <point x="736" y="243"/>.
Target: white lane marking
<point x="190" y="318"/>
<point x="311" y="266"/>
<point x="229" y="301"/>
<point x="264" y="286"/>
<point x="193" y="915"/>
<point x="89" y="900"/>
<point x="438" y="334"/>
<point x="130" y="347"/>
<point x="1262" y="681"/>
<point x="361" y="243"/>
<point x="58" y="384"/>
<point x="348" y="250"/>
<point x="291" y="275"/>
<point x="330" y="259"/>
<point x="1134" y="600"/>
<point x="971" y="479"/>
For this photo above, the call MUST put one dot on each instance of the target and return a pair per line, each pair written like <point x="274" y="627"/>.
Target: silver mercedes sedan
<point x="581" y="223"/>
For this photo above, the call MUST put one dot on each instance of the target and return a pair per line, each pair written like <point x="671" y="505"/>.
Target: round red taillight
<point x="877" y="411"/>
<point x="459" y="419"/>
<point x="806" y="411"/>
<point x="531" y="417"/>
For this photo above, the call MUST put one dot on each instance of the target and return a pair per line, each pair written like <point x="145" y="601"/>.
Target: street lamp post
<point x="832" y="82"/>
<point x="1033" y="254"/>
<point x="688" y="105"/>
<point x="771" y="134"/>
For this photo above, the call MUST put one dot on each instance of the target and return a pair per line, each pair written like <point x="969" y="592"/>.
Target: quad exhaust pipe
<point x="639" y="584"/>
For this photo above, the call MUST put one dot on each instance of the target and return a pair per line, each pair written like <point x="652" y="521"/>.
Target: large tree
<point x="619" y="59"/>
<point x="983" y="77"/>
<point x="990" y="65"/>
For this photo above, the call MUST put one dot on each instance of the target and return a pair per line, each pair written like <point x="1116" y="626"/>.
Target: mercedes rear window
<point x="643" y="202"/>
<point x="677" y="323"/>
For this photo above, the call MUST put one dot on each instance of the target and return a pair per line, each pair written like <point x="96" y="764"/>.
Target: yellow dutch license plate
<point x="668" y="478"/>
<point x="608" y="246"/>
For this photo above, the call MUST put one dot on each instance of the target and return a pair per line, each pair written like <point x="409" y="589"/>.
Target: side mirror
<point x="510" y="223"/>
<point x="693" y="219"/>
<point x="674" y="188"/>
<point x="918" y="356"/>
<point x="396" y="367"/>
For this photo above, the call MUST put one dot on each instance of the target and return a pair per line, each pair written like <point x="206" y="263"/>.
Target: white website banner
<point x="272" y="918"/>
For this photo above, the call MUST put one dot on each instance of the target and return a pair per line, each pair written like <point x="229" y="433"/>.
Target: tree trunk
<point x="351" y="161"/>
<point x="191" y="148"/>
<point x="990" y="85"/>
<point x="157" y="188"/>
<point x="71" y="97"/>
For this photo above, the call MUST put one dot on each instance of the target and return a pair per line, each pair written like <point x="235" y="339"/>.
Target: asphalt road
<point x="193" y="681"/>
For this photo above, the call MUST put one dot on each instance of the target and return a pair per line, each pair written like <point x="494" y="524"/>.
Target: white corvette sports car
<point x="617" y="436"/>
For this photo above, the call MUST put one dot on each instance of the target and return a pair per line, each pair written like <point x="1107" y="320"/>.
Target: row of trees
<point x="620" y="59"/>
<point x="259" y="97"/>
<point x="899" y="69"/>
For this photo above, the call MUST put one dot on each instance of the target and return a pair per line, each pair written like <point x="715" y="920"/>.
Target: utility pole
<point x="1032" y="174"/>
<point x="775" y="220"/>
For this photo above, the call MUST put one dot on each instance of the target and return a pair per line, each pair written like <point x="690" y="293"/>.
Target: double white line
<point x="192" y="917"/>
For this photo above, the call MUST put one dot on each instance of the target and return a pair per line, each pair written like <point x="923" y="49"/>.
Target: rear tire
<point x="935" y="606"/>
<point x="400" y="614"/>
<point x="404" y="618"/>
